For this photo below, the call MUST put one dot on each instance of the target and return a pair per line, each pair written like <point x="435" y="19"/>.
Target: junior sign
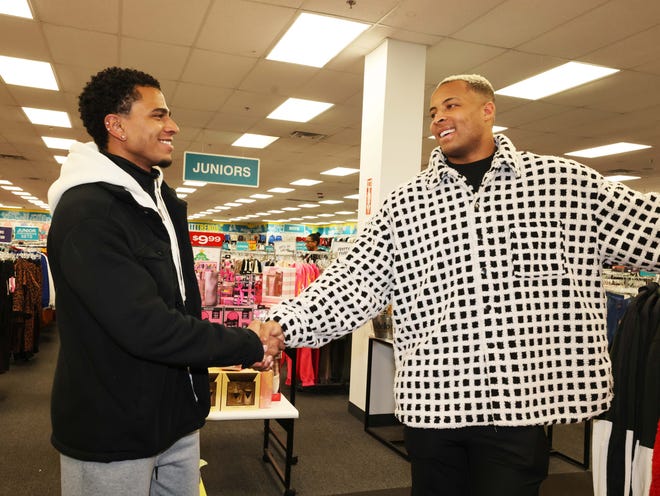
<point x="221" y="169"/>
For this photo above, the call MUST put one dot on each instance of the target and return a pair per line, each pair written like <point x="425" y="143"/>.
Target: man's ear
<point x="489" y="111"/>
<point x="114" y="126"/>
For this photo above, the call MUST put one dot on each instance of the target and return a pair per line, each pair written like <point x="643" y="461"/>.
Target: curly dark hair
<point x="111" y="91"/>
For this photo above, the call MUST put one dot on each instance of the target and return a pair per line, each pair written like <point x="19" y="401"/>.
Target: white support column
<point x="391" y="146"/>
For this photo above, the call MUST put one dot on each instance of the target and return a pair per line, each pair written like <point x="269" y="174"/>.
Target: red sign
<point x="203" y="238"/>
<point x="369" y="195"/>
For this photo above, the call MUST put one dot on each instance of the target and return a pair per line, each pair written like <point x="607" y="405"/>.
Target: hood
<point x="84" y="165"/>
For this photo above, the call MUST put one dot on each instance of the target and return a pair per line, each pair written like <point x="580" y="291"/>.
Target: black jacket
<point x="122" y="388"/>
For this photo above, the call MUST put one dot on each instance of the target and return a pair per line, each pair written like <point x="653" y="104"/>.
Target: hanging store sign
<point x="5" y="234"/>
<point x="221" y="169"/>
<point x="26" y="233"/>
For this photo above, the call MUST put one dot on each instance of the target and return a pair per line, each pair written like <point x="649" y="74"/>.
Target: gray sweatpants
<point x="174" y="472"/>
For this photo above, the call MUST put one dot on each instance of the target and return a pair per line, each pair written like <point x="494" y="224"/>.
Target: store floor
<point x="335" y="455"/>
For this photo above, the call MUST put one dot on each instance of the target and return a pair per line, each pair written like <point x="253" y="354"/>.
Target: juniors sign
<point x="221" y="169"/>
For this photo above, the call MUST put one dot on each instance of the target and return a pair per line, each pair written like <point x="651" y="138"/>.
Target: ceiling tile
<point x="163" y="61"/>
<point x="212" y="68"/>
<point x="92" y="15"/>
<point x="81" y="47"/>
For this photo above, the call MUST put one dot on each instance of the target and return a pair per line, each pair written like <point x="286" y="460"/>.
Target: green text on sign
<point x="221" y="169"/>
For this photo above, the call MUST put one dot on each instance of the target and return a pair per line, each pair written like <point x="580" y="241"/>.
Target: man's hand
<point x="271" y="336"/>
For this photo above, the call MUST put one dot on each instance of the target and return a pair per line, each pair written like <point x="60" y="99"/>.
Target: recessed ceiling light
<point x="254" y="140"/>
<point x="356" y="196"/>
<point x="613" y="149"/>
<point x="58" y="143"/>
<point x="555" y="80"/>
<point x="331" y="202"/>
<point x="314" y="39"/>
<point x="196" y="184"/>
<point x="622" y="178"/>
<point x="18" y="8"/>
<point x="45" y="117"/>
<point x="340" y="171"/>
<point x="281" y="190"/>
<point x="260" y="196"/>
<point x="298" y="110"/>
<point x="305" y="182"/>
<point x="31" y="73"/>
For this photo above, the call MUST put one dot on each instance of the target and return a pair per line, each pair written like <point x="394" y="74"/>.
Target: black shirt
<point x="473" y="172"/>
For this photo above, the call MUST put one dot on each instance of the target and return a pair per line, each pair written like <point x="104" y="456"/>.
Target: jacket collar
<point x="506" y="157"/>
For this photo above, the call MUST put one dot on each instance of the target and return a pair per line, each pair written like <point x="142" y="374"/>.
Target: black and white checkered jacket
<point x="498" y="307"/>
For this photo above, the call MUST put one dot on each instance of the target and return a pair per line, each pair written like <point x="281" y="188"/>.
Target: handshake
<point x="271" y="336"/>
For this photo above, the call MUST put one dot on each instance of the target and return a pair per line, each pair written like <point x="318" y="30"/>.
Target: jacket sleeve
<point x="348" y="293"/>
<point x="628" y="226"/>
<point x="116" y="290"/>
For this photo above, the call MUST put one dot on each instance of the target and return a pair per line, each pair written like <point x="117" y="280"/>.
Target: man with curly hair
<point x="131" y="388"/>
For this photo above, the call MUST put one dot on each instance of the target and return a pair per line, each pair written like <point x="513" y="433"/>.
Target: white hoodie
<point x="85" y="164"/>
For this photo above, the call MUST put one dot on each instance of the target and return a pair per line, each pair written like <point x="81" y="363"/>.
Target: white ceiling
<point x="209" y="56"/>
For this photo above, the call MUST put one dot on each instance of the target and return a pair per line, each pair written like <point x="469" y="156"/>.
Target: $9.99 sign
<point x="201" y="238"/>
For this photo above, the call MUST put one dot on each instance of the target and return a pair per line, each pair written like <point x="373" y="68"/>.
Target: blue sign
<point x="26" y="233"/>
<point x="5" y="234"/>
<point x="221" y="169"/>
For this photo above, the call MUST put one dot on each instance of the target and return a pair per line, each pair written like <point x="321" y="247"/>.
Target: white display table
<point x="284" y="413"/>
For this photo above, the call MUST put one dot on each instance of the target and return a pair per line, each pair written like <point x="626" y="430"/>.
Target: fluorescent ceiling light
<point x="326" y="215"/>
<point x="18" y="8"/>
<point x="185" y="190"/>
<point x="356" y="196"/>
<point x="4" y="181"/>
<point x="613" y="149"/>
<point x="296" y="218"/>
<point x="290" y="209"/>
<point x="181" y="195"/>
<point x="314" y="39"/>
<point x="47" y="117"/>
<point x="340" y="171"/>
<point x="345" y="212"/>
<point x="196" y="184"/>
<point x="260" y="196"/>
<point x="264" y="214"/>
<point x="276" y="211"/>
<point x="10" y="206"/>
<point x="232" y="204"/>
<point x="555" y="80"/>
<point x="245" y="200"/>
<point x="220" y="220"/>
<point x="24" y="72"/>
<point x="331" y="202"/>
<point x="622" y="178"/>
<point x="60" y="158"/>
<point x="305" y="182"/>
<point x="498" y="129"/>
<point x="310" y="216"/>
<point x="21" y="193"/>
<point x="58" y="143"/>
<point x="221" y="208"/>
<point x="297" y="110"/>
<point x="281" y="190"/>
<point x="309" y="205"/>
<point x="254" y="140"/>
<point x="12" y="188"/>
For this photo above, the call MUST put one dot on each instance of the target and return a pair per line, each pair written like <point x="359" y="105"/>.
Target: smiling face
<point x="462" y="122"/>
<point x="144" y="135"/>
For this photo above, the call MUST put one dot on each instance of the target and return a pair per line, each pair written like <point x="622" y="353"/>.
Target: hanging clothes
<point x="624" y="437"/>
